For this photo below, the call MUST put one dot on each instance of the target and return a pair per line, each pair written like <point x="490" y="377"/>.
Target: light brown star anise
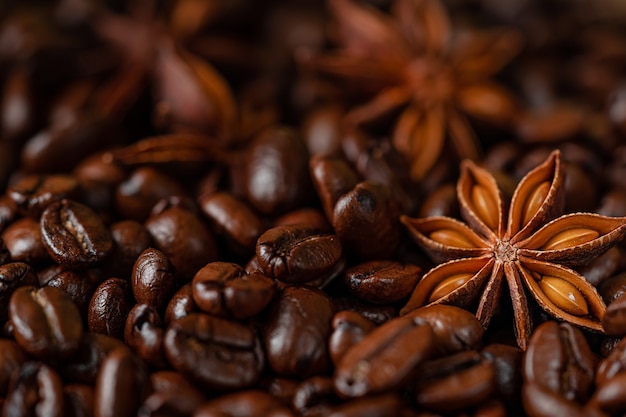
<point x="526" y="249"/>
<point x="411" y="59"/>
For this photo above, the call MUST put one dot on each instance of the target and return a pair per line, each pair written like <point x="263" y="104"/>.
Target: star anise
<point x="411" y="59"/>
<point x="524" y="249"/>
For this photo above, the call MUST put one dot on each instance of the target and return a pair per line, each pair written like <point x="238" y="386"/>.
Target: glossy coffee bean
<point x="130" y="239"/>
<point x="254" y="403"/>
<point x="349" y="328"/>
<point x="78" y="400"/>
<point x="12" y="276"/>
<point x="74" y="234"/>
<point x="12" y="356"/>
<point x="307" y="217"/>
<point x="296" y="332"/>
<point x="47" y="323"/>
<point x="401" y="344"/>
<point x="83" y="366"/>
<point x="153" y="280"/>
<point x="224" y="289"/>
<point x="8" y="211"/>
<point x="333" y="177"/>
<point x="78" y="284"/>
<point x="109" y="306"/>
<point x="35" y="390"/>
<point x="182" y="237"/>
<point x="296" y="254"/>
<point x="98" y="177"/>
<point x="24" y="243"/>
<point x="216" y="353"/>
<point x="181" y="304"/>
<point x="121" y="385"/>
<point x="366" y="221"/>
<point x="507" y="361"/>
<point x="170" y="404"/>
<point x="232" y="219"/>
<point x="377" y="313"/>
<point x="383" y="405"/>
<point x="612" y="365"/>
<point x="144" y="334"/>
<point x="314" y="396"/>
<point x="382" y="282"/>
<point x="614" y="319"/>
<point x="33" y="193"/>
<point x="173" y="382"/>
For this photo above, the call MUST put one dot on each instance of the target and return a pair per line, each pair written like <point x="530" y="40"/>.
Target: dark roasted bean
<point x="153" y="279"/>
<point x="384" y="405"/>
<point x="12" y="276"/>
<point x="130" y="239"/>
<point x="333" y="177"/>
<point x="84" y="365"/>
<point x="109" y="306"/>
<point x="244" y="404"/>
<point x="181" y="304"/>
<point x="24" y="243"/>
<point x="307" y="217"/>
<point x="12" y="356"/>
<point x="143" y="333"/>
<point x="79" y="400"/>
<point x="349" y="328"/>
<point x="382" y="282"/>
<point x="79" y="285"/>
<point x="35" y="390"/>
<point x="32" y="194"/>
<point x="315" y="396"/>
<point x="507" y="361"/>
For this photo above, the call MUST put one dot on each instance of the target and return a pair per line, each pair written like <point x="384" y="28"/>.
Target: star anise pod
<point x="411" y="59"/>
<point x="525" y="249"/>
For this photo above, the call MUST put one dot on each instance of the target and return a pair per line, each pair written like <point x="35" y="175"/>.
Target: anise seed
<point x="451" y="237"/>
<point x="565" y="295"/>
<point x="534" y="201"/>
<point x="486" y="208"/>
<point x="448" y="285"/>
<point x="570" y="237"/>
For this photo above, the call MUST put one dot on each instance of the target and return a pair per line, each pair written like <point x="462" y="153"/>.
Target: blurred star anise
<point x="411" y="59"/>
<point x="524" y="249"/>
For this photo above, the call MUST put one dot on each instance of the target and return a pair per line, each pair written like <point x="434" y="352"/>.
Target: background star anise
<point x="524" y="249"/>
<point x="410" y="60"/>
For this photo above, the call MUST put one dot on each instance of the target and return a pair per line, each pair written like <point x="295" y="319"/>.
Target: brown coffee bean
<point x="182" y="237"/>
<point x="507" y="361"/>
<point x="376" y="313"/>
<point x="234" y="220"/>
<point x="296" y="332"/>
<point x="35" y="390"/>
<point x="401" y="344"/>
<point x="332" y="177"/>
<point x="307" y="217"/>
<point x="603" y="267"/>
<point x="79" y="285"/>
<point x="33" y="193"/>
<point x="216" y="353"/>
<point x="109" y="307"/>
<point x="296" y="254"/>
<point x="382" y="282"/>
<point x="130" y="239"/>
<point x="47" y="323"/>
<point x="559" y="359"/>
<point x="121" y="385"/>
<point x="252" y="403"/>
<point x="614" y="319"/>
<point x="322" y="130"/>
<point x="153" y="279"/>
<point x="78" y="400"/>
<point x="314" y="396"/>
<point x="144" y="334"/>
<point x="455" y="383"/>
<point x="612" y="204"/>
<point x="366" y="221"/>
<point x="172" y="381"/>
<point x="384" y="405"/>
<point x="24" y="243"/>
<point x="170" y="404"/>
<point x="98" y="177"/>
<point x="349" y="328"/>
<point x="12" y="276"/>
<point x="83" y="366"/>
<point x="181" y="304"/>
<point x="613" y="364"/>
<point x="277" y="178"/>
<point x="609" y="396"/>
<point x="223" y="289"/>
<point x="441" y="202"/>
<point x="12" y="356"/>
<point x="135" y="197"/>
<point x="613" y="288"/>
<point x="455" y="329"/>
<point x="540" y="401"/>
<point x="8" y="211"/>
<point x="74" y="235"/>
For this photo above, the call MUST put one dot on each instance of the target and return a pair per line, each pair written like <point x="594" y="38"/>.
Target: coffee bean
<point x="384" y="405"/>
<point x="296" y="332"/>
<point x="74" y="235"/>
<point x="297" y="254"/>
<point x="144" y="334"/>
<point x="181" y="304"/>
<point x="78" y="400"/>
<point x="12" y="356"/>
<point x="153" y="280"/>
<point x="109" y="306"/>
<point x="33" y="193"/>
<point x="24" y="243"/>
<point x="254" y="403"/>
<point x="441" y="202"/>
<point x="47" y="323"/>
<point x="382" y="282"/>
<point x="333" y="177"/>
<point x="315" y="396"/>
<point x="83" y="366"/>
<point x="507" y="361"/>
<point x="349" y="328"/>
<point x="614" y="320"/>
<point x="217" y="353"/>
<point x="35" y="390"/>
<point x="8" y="211"/>
<point x="306" y="217"/>
<point x="130" y="239"/>
<point x="79" y="285"/>
<point x="12" y="276"/>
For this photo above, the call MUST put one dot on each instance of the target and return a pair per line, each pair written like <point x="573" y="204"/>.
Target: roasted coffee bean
<point x="609" y="397"/>
<point x="559" y="359"/>
<point x="613" y="288"/>
<point x="144" y="334"/>
<point x="33" y="193"/>
<point x="47" y="323"/>
<point x="74" y="235"/>
<point x="307" y="217"/>
<point x="454" y="383"/>
<point x="455" y="329"/>
<point x="349" y="328"/>
<point x="217" y="353"/>
<point x="322" y="130"/>
<point x="540" y="401"/>
<point x="296" y="332"/>
<point x="172" y="381"/>
<point x="137" y="195"/>
<point x="296" y="254"/>
<point x="24" y="243"/>
<point x="121" y="385"/>
<point x="376" y="313"/>
<point x="234" y="220"/>
<point x="109" y="307"/>
<point x="401" y="344"/>
<point x="130" y="239"/>
<point x="78" y="400"/>
<point x="170" y="404"/>
<point x="83" y="366"/>
<point x="12" y="356"/>
<point x="382" y="282"/>
<point x="314" y="396"/>
<point x="276" y="175"/>
<point x="223" y="289"/>
<point x="8" y="211"/>
<point x="98" y="177"/>
<point x="153" y="279"/>
<point x="181" y="304"/>
<point x="333" y="177"/>
<point x="12" y="276"/>
<point x="507" y="361"/>
<point x="182" y="237"/>
<point x="614" y="320"/>
<point x="79" y="285"/>
<point x="252" y="403"/>
<point x="612" y="365"/>
<point x="366" y="221"/>
<point x="603" y="267"/>
<point x="441" y="202"/>
<point x="384" y="405"/>
<point x="35" y="390"/>
<point x="612" y="204"/>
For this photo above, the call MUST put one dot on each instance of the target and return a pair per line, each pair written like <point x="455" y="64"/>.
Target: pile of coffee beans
<point x="199" y="208"/>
